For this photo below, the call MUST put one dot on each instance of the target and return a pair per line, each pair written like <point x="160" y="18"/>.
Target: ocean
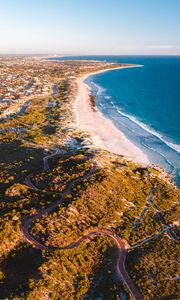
<point x="144" y="103"/>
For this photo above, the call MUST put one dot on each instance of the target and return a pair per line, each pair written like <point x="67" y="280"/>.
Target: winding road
<point x="120" y="243"/>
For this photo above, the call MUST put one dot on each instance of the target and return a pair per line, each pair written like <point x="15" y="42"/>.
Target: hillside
<point x="78" y="222"/>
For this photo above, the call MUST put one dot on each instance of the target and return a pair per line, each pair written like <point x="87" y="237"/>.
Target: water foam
<point x="173" y="146"/>
<point x="100" y="91"/>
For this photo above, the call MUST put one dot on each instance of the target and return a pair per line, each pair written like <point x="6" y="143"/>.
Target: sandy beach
<point x="102" y="131"/>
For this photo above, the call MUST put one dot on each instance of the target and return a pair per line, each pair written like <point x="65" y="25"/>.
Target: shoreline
<point x="102" y="131"/>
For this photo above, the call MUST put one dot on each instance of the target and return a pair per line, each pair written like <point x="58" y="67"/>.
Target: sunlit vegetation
<point x="74" y="274"/>
<point x="155" y="268"/>
<point x="113" y="197"/>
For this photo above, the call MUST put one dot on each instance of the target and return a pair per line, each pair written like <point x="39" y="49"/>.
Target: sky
<point x="90" y="27"/>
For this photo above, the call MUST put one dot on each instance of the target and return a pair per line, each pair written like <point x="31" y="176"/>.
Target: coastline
<point x="102" y="131"/>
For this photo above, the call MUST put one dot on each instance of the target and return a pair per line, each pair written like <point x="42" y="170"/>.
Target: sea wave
<point x="99" y="89"/>
<point x="175" y="147"/>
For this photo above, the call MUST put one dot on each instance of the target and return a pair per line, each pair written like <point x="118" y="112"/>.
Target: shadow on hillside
<point x="105" y="284"/>
<point x="19" y="266"/>
<point x="16" y="161"/>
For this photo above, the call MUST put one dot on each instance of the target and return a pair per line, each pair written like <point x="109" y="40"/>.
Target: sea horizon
<point x="90" y="149"/>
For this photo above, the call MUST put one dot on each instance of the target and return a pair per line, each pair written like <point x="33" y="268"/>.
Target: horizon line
<point x="87" y="54"/>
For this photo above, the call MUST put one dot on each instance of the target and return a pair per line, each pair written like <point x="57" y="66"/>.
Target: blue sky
<point x="90" y="26"/>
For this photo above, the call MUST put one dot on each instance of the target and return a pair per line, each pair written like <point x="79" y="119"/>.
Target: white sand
<point x="102" y="131"/>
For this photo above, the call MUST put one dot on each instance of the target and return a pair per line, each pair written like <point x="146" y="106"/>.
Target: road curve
<point x="27" y="221"/>
<point x="120" y="243"/>
<point x="120" y="265"/>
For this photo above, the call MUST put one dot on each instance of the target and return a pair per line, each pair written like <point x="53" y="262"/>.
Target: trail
<point x="148" y="239"/>
<point x="159" y="214"/>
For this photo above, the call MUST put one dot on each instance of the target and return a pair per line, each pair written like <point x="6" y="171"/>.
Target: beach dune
<point x="103" y="132"/>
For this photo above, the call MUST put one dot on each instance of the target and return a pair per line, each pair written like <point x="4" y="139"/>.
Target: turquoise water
<point x="144" y="103"/>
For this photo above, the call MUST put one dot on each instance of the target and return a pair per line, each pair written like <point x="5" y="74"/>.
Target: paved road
<point x="55" y="151"/>
<point x="120" y="265"/>
<point x="121" y="246"/>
